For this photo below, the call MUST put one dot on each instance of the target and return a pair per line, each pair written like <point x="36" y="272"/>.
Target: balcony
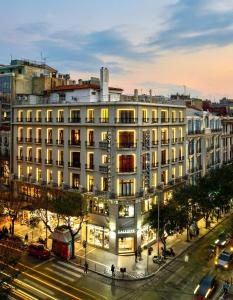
<point x="154" y="143"/>
<point x="210" y="148"/>
<point x="74" y="120"/>
<point x="48" y="161"/>
<point x="60" y="142"/>
<point x="76" y="143"/>
<point x="38" y="160"/>
<point x="60" y="120"/>
<point x="103" y="169"/>
<point x="90" y="143"/>
<point x="60" y="163"/>
<point x="173" y="160"/>
<point x="126" y="120"/>
<point x="180" y="139"/>
<point x="154" y="120"/>
<point x="28" y="158"/>
<point x="165" y="142"/>
<point x="104" y="144"/>
<point x="126" y="170"/>
<point x="174" y="140"/>
<point x="29" y="120"/>
<point x="19" y="158"/>
<point x="196" y="131"/>
<point x="38" y="119"/>
<point x="154" y="165"/>
<point x="74" y="164"/>
<point x="49" y="120"/>
<point x="174" y="120"/>
<point x="181" y="120"/>
<point x="89" y="167"/>
<point x="165" y="162"/>
<point x="38" y="141"/>
<point x="19" y="139"/>
<point x="19" y="119"/>
<point x="164" y="120"/>
<point x="126" y="145"/>
<point x="48" y="141"/>
<point x="181" y="158"/>
<point x="28" y="140"/>
<point x="145" y="120"/>
<point x="90" y="120"/>
<point x="104" y="120"/>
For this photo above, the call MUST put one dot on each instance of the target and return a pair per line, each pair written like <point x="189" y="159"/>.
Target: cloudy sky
<point x="159" y="44"/>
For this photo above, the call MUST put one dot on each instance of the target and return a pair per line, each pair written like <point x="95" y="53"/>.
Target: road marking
<point x="90" y="293"/>
<point x="40" y="287"/>
<point x="43" y="262"/>
<point x="23" y="294"/>
<point x="70" y="266"/>
<point x="59" y="274"/>
<point x="52" y="286"/>
<point x="66" y="271"/>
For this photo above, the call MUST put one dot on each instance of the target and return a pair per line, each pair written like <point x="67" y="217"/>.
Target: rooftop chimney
<point x="136" y="94"/>
<point x="104" y="79"/>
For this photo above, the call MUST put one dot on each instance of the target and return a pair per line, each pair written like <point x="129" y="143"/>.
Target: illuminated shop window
<point x="96" y="207"/>
<point x="98" y="236"/>
<point x="126" y="210"/>
<point x="148" y="235"/>
<point x="125" y="244"/>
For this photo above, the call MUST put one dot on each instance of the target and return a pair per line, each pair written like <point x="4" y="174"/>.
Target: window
<point x="38" y="116"/>
<point x="49" y="116"/>
<point x="126" y="139"/>
<point x="104" y="159"/>
<point x="104" y="184"/>
<point x="90" y="137"/>
<point x="20" y="171"/>
<point x="29" y="116"/>
<point x="144" y="115"/>
<point x="90" y="160"/>
<point x="127" y="187"/>
<point x="75" y="137"/>
<point x="164" y="114"/>
<point x="75" y="116"/>
<point x="49" y="176"/>
<point x="60" y="178"/>
<point x="96" y="207"/>
<point x="90" y="183"/>
<point x="90" y="115"/>
<point x="148" y="204"/>
<point x="75" y="180"/>
<point x="104" y="115"/>
<point x="173" y="116"/>
<point x="75" y="159"/>
<point x="38" y="174"/>
<point x="20" y="116"/>
<point x="154" y="116"/>
<point x="126" y="163"/>
<point x="126" y="116"/>
<point x="104" y="136"/>
<point x="164" y="157"/>
<point x="29" y="171"/>
<point x="126" y="210"/>
<point x="60" y="115"/>
<point x="38" y="134"/>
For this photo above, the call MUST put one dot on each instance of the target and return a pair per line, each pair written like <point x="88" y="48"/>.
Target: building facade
<point x="125" y="154"/>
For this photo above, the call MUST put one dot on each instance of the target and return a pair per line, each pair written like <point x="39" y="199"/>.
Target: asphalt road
<point x="55" y="279"/>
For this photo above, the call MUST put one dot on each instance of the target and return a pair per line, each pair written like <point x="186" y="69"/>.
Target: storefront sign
<point x="126" y="231"/>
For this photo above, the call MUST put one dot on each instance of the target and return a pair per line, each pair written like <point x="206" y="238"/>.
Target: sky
<point x="168" y="46"/>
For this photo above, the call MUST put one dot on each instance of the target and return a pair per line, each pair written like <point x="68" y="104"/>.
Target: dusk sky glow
<point x="162" y="45"/>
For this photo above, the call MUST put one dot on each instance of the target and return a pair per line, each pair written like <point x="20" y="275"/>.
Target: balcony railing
<point x="74" y="143"/>
<point x="181" y="120"/>
<point x="48" y="141"/>
<point x="154" y="165"/>
<point x="72" y="164"/>
<point x="49" y="120"/>
<point x="38" y="160"/>
<point x="19" y="158"/>
<point x="154" y="143"/>
<point x="165" y="162"/>
<point x="103" y="120"/>
<point x="48" y="161"/>
<point x="103" y="144"/>
<point x="174" y="140"/>
<point x="90" y="120"/>
<point x="181" y="158"/>
<point x="60" y="142"/>
<point x="28" y="119"/>
<point x="28" y="158"/>
<point x="164" y="120"/>
<point x="19" y="139"/>
<point x="103" y="169"/>
<point x="38" y="119"/>
<point x="173" y="160"/>
<point x="60" y="163"/>
<point x="126" y="145"/>
<point x="60" y="120"/>
<point x="180" y="139"/>
<point x="90" y="143"/>
<point x="165" y="141"/>
<point x="19" y="119"/>
<point x="174" y="120"/>
<point x="38" y="141"/>
<point x="126" y="170"/>
<point x="126" y="120"/>
<point x="89" y="167"/>
<point x="154" y="120"/>
<point x="74" y="120"/>
<point x="145" y="120"/>
<point x="28" y="140"/>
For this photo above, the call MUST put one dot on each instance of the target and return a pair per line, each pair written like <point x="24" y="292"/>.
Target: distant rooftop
<point x="15" y="63"/>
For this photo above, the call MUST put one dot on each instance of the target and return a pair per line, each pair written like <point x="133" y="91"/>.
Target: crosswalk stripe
<point x="70" y="266"/>
<point x="39" y="286"/>
<point x="59" y="274"/>
<point x="66" y="271"/>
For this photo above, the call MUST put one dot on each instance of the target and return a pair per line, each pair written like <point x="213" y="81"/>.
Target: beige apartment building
<point x="125" y="153"/>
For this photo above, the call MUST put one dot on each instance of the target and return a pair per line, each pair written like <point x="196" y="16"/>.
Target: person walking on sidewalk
<point x="225" y="287"/>
<point x="85" y="267"/>
<point x="136" y="255"/>
<point x="140" y="252"/>
<point x="113" y="270"/>
<point x="26" y="238"/>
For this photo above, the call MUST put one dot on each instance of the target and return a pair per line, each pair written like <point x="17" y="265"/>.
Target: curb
<point x="165" y="264"/>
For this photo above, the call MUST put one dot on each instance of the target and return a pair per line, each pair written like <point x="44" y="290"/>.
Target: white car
<point x="224" y="259"/>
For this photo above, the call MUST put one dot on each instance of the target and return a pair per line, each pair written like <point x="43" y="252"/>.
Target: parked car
<point x="223" y="239"/>
<point x="206" y="287"/>
<point x="224" y="259"/>
<point x="38" y="250"/>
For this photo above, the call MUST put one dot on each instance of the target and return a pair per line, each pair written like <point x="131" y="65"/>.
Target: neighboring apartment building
<point x="204" y="145"/>
<point x="227" y="139"/>
<point x="18" y="82"/>
<point x="125" y="153"/>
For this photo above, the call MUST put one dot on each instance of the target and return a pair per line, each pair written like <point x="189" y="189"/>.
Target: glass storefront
<point x="147" y="235"/>
<point x="98" y="236"/>
<point x="125" y="244"/>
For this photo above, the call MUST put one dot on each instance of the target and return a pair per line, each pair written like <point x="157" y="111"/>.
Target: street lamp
<point x="85" y="243"/>
<point x="158" y="254"/>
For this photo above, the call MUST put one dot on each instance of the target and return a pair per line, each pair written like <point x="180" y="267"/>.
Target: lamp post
<point x="85" y="243"/>
<point x="158" y="230"/>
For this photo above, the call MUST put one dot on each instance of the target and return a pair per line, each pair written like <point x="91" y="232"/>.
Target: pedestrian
<point x="85" y="267"/>
<point x="10" y="229"/>
<point x="26" y="237"/>
<point x="113" y="270"/>
<point x="225" y="286"/>
<point x="140" y="252"/>
<point x="197" y="231"/>
<point x="136" y="255"/>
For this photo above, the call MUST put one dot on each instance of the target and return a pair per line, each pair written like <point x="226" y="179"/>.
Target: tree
<point x="69" y="207"/>
<point x="168" y="219"/>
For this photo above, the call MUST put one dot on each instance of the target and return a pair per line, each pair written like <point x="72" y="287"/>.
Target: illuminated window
<point x="49" y="116"/>
<point x="38" y="174"/>
<point x="144" y="115"/>
<point x="90" y="183"/>
<point x="90" y="116"/>
<point x="126" y="139"/>
<point x="20" y="115"/>
<point x="104" y="115"/>
<point x="126" y="187"/>
<point x="180" y="170"/>
<point x="20" y="171"/>
<point x="29" y="171"/>
<point x="104" y="159"/>
<point x="104" y="136"/>
<point x="75" y="137"/>
<point x="126" y="210"/>
<point x="104" y="184"/>
<point x="49" y="176"/>
<point x="75" y="180"/>
<point x="60" y="178"/>
<point x="38" y="116"/>
<point x="126" y="163"/>
<point x="173" y="116"/>
<point x="173" y="172"/>
<point x="29" y="116"/>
